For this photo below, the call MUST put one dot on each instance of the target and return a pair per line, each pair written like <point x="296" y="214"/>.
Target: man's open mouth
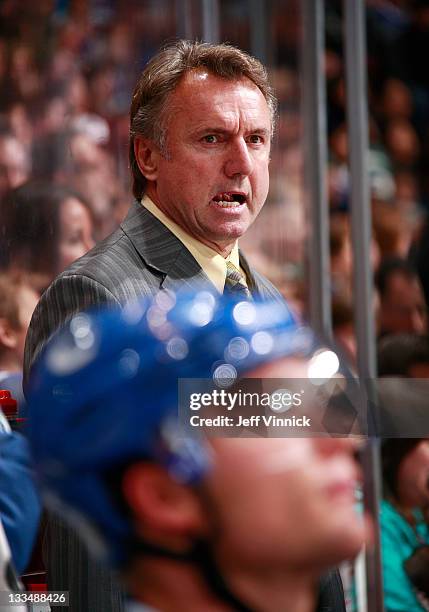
<point x="229" y="199"/>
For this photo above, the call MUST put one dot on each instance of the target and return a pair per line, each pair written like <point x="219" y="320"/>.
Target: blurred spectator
<point x="402" y="303"/>
<point x="343" y="325"/>
<point x="404" y="355"/>
<point x="397" y="100"/>
<point x="77" y="157"/>
<point x="341" y="261"/>
<point x="381" y="181"/>
<point x="14" y="163"/>
<point x="407" y="192"/>
<point x="393" y="230"/>
<point x="18" y="300"/>
<point x="20" y="124"/>
<point x="404" y="526"/>
<point x="44" y="229"/>
<point x="343" y="322"/>
<point x="402" y="144"/>
<point x="403" y="385"/>
<point x="422" y="260"/>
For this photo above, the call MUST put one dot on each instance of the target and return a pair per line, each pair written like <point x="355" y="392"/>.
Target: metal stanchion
<point x="314" y="119"/>
<point x="355" y="46"/>
<point x="211" y="31"/>
<point x="258" y="29"/>
<point x="184" y="19"/>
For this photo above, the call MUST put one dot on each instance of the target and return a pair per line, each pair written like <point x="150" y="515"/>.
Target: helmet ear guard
<point x="186" y="459"/>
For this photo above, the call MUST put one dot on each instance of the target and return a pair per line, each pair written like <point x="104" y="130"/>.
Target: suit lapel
<point x="162" y="251"/>
<point x="165" y="254"/>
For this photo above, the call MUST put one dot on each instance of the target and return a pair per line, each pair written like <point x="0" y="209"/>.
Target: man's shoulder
<point x="110" y="261"/>
<point x="112" y="273"/>
<point x="265" y="287"/>
<point x="122" y="263"/>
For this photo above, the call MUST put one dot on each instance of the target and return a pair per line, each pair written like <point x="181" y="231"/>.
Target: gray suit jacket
<point x="140" y="258"/>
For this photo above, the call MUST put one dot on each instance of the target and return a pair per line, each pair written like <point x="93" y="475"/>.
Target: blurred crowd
<point x="67" y="71"/>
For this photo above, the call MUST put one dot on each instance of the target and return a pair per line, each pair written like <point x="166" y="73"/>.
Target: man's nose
<point x="239" y="160"/>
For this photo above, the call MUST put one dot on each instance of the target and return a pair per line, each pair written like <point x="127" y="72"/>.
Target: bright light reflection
<point x="177" y="348"/>
<point x="129" y="362"/>
<point x="156" y="317"/>
<point x="262" y="342"/>
<point x="165" y="300"/>
<point x="85" y="342"/>
<point x="244" y="313"/>
<point x="322" y="366"/>
<point x="238" y="348"/>
<point x="225" y="375"/>
<point x="201" y="313"/>
<point x="133" y="312"/>
<point x="80" y="325"/>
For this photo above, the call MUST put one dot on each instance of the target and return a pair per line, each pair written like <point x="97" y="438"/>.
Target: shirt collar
<point x="213" y="264"/>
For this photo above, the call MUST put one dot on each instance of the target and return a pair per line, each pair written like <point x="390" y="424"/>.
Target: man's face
<point x="285" y="503"/>
<point x="403" y="307"/>
<point x="213" y="180"/>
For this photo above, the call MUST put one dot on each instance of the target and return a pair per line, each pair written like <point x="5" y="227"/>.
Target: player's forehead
<point x="240" y="453"/>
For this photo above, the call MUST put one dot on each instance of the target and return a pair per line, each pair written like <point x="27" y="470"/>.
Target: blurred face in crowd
<point x="13" y="331"/>
<point x="76" y="231"/>
<point x="403" y="306"/>
<point x="213" y="177"/>
<point x="413" y="477"/>
<point x="27" y="300"/>
<point x="14" y="165"/>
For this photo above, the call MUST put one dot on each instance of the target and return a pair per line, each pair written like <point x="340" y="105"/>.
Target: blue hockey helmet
<point x="104" y="392"/>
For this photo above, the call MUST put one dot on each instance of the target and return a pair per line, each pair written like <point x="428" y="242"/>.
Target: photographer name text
<point x="253" y="421"/>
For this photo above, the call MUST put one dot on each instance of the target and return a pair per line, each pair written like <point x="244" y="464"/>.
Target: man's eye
<point x="211" y="138"/>
<point x="256" y="139"/>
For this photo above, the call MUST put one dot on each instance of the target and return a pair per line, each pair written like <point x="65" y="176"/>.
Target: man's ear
<point x="147" y="155"/>
<point x="8" y="337"/>
<point x="160" y="503"/>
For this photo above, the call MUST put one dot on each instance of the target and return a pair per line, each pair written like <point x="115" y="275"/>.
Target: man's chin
<point x="231" y="232"/>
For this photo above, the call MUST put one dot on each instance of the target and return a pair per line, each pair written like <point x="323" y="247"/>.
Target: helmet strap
<point x="201" y="556"/>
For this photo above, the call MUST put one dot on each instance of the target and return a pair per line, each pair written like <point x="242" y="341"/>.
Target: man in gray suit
<point x="202" y="117"/>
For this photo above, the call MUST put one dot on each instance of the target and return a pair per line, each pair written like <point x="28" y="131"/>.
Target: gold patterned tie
<point x="234" y="283"/>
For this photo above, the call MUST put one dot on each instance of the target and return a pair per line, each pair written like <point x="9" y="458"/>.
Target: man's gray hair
<point x="149" y="108"/>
